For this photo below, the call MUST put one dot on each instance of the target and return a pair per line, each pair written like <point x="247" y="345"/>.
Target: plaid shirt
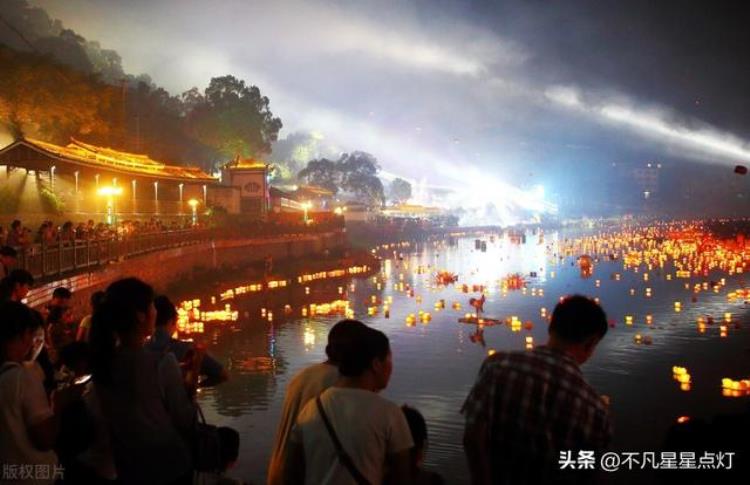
<point x="535" y="404"/>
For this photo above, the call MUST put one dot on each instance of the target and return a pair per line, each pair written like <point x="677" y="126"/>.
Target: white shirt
<point x="23" y="404"/>
<point x="307" y="384"/>
<point x="369" y="427"/>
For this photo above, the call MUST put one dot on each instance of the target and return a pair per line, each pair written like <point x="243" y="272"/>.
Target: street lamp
<point x="306" y="206"/>
<point x="193" y="203"/>
<point x="110" y="192"/>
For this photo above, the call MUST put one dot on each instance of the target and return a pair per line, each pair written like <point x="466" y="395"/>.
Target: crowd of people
<point x="17" y="235"/>
<point x="109" y="399"/>
<point x="112" y="399"/>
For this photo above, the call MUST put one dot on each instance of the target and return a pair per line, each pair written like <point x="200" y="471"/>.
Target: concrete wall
<point x="163" y="267"/>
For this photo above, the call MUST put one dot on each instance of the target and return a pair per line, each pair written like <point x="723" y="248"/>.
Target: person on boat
<point x="478" y="304"/>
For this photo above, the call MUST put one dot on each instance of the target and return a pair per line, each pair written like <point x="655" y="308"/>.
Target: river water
<point x="435" y="362"/>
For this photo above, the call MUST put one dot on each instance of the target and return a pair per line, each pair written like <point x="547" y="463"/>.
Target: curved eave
<point x="96" y="166"/>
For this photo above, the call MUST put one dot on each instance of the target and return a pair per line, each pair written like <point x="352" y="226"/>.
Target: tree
<point x="355" y="173"/>
<point x="400" y="191"/>
<point x="233" y="119"/>
<point x="32" y="102"/>
<point x="359" y="176"/>
<point x="323" y="173"/>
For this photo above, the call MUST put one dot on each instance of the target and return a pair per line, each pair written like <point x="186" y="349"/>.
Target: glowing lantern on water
<point x="683" y="419"/>
<point x="628" y="319"/>
<point x="490" y="352"/>
<point x="677" y="306"/>
<point x="649" y="319"/>
<point x="307" y="290"/>
<point x="529" y="342"/>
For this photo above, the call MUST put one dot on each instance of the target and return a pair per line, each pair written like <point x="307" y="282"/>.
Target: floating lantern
<point x="628" y="319"/>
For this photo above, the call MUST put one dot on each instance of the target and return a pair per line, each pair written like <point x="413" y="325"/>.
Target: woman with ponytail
<point x="141" y="392"/>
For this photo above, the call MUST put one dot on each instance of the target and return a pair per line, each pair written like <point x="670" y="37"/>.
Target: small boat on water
<point x="486" y="321"/>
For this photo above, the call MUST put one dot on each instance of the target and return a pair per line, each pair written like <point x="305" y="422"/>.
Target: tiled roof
<point x="95" y="156"/>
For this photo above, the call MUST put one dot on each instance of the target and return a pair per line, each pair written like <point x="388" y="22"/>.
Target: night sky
<point x="552" y="93"/>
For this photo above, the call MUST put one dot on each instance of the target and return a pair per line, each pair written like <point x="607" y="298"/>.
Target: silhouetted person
<point x="8" y="260"/>
<point x="28" y="423"/>
<point x="527" y="407"/>
<point x="161" y="341"/>
<point x="418" y="428"/>
<point x="306" y="385"/>
<point x="84" y="328"/>
<point x="16" y="286"/>
<point x="349" y="434"/>
<point x="141" y="392"/>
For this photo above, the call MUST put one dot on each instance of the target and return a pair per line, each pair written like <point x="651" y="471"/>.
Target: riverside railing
<point x="49" y="260"/>
<point x="44" y="260"/>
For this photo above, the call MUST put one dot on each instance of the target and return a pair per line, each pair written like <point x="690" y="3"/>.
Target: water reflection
<point x="658" y="322"/>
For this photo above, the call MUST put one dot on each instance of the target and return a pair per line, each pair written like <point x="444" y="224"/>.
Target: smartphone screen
<point x="82" y="379"/>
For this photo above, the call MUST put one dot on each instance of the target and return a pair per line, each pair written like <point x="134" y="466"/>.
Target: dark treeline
<point x="55" y="84"/>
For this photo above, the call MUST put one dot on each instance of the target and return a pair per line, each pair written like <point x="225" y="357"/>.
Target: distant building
<point x="647" y="179"/>
<point x="282" y="201"/>
<point x="251" y="178"/>
<point x="319" y="198"/>
<point x="412" y="211"/>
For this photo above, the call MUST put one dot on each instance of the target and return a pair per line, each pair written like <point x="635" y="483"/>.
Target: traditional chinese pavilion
<point x="78" y="174"/>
